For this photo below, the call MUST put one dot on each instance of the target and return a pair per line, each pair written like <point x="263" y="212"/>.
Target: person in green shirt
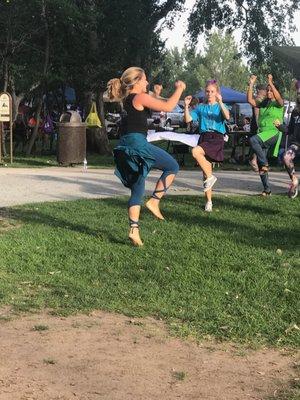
<point x="270" y="111"/>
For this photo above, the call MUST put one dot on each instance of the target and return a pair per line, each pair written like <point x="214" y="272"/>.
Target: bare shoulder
<point x="140" y="100"/>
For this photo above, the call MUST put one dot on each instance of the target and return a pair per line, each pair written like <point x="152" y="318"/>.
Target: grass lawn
<point x="41" y="161"/>
<point x="232" y="274"/>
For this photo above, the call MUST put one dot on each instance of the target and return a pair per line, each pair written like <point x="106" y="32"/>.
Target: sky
<point x="176" y="37"/>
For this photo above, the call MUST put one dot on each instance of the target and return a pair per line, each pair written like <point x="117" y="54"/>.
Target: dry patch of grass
<point x="6" y="222"/>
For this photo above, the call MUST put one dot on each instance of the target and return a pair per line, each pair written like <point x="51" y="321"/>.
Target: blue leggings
<point x="163" y="161"/>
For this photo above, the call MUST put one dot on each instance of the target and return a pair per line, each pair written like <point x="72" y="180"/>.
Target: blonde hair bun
<point x="119" y="88"/>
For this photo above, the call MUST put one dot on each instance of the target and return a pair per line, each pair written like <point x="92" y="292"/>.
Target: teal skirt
<point x="133" y="158"/>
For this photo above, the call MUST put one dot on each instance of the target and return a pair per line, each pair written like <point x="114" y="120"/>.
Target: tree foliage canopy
<point x="83" y="43"/>
<point x="220" y="60"/>
<point x="263" y="22"/>
<point x="89" y="40"/>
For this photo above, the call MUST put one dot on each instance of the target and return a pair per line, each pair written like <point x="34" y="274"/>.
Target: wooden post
<point x="11" y="130"/>
<point x="1" y="133"/>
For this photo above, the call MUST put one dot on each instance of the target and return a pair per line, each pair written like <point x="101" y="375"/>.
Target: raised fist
<point x="219" y="97"/>
<point x="252" y="79"/>
<point x="180" y="84"/>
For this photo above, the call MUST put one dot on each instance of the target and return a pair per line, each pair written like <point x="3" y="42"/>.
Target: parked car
<point x="168" y="119"/>
<point x="112" y="124"/>
<point x="288" y="108"/>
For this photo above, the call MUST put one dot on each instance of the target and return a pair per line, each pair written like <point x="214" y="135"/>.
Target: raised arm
<point x="187" y="115"/>
<point x="277" y="95"/>
<point x="145" y="100"/>
<point x="250" y="97"/>
<point x="224" y="110"/>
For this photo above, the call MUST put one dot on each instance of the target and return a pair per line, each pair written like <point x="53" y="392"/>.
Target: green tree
<point x="122" y="34"/>
<point x="181" y="65"/>
<point x="264" y="23"/>
<point x="220" y="60"/>
<point x="223" y="62"/>
<point x="48" y="44"/>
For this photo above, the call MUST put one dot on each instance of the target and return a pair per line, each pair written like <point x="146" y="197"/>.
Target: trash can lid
<point x="70" y="116"/>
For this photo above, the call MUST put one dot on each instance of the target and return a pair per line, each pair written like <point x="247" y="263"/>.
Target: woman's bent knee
<point x="171" y="167"/>
<point x="197" y="151"/>
<point x="175" y="168"/>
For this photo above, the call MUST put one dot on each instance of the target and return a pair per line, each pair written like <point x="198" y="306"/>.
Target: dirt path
<point x="31" y="185"/>
<point x="112" y="357"/>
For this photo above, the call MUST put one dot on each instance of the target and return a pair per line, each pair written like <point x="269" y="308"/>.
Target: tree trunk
<point x="43" y="84"/>
<point x="16" y="99"/>
<point x="102" y="138"/>
<point x="97" y="139"/>
<point x="8" y="44"/>
<point x="5" y="73"/>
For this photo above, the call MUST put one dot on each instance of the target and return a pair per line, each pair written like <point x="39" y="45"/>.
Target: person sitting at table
<point x="270" y="109"/>
<point x="246" y="124"/>
<point x="157" y="89"/>
<point x="190" y="138"/>
<point x="193" y="126"/>
<point x="211" y="116"/>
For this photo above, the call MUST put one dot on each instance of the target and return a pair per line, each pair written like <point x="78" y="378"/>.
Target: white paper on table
<point x="188" y="139"/>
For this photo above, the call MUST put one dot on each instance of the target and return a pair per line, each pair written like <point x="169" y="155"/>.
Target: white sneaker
<point x="208" y="206"/>
<point x="209" y="183"/>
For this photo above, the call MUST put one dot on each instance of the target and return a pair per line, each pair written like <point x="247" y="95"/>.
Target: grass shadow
<point x="38" y="216"/>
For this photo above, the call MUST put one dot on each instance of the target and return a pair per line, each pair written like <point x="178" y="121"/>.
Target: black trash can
<point x="71" y="139"/>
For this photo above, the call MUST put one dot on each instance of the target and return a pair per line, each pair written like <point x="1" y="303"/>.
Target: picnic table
<point x="239" y="138"/>
<point x="180" y="143"/>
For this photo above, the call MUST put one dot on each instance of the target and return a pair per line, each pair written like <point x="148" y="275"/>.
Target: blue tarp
<point x="229" y="95"/>
<point x="70" y="95"/>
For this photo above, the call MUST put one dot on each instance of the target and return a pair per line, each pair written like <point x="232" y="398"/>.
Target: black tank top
<point x="133" y="120"/>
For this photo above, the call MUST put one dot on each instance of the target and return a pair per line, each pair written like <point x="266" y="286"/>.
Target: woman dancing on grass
<point x="270" y="110"/>
<point x="134" y="156"/>
<point x="211" y="116"/>
<point x="293" y="148"/>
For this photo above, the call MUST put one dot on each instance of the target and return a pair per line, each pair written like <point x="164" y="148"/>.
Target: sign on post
<point x="6" y="116"/>
<point x="5" y="107"/>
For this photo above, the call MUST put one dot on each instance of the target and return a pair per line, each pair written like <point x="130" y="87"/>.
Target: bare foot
<point x="153" y="206"/>
<point x="134" y="236"/>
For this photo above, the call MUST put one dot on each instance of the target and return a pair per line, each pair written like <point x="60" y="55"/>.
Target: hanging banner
<point x="5" y="107"/>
